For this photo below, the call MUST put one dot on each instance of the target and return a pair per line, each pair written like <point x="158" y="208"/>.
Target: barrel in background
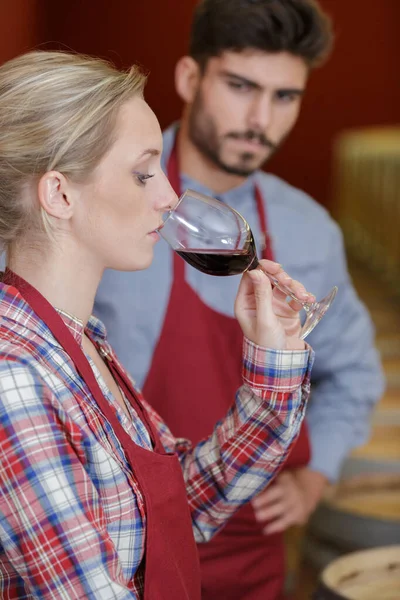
<point x="366" y="575"/>
<point x="367" y="197"/>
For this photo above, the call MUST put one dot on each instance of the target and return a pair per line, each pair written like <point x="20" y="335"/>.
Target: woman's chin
<point x="136" y="264"/>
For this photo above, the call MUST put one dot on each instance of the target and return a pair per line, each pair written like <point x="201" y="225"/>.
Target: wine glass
<point x="215" y="239"/>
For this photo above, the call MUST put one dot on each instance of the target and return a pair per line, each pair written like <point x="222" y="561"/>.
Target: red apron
<point x="171" y="566"/>
<point x="192" y="394"/>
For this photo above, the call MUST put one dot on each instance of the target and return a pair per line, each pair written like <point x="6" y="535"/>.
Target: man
<point x="242" y="86"/>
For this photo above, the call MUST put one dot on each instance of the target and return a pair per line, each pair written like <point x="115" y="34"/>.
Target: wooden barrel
<point x="367" y="184"/>
<point x="367" y="575"/>
<point x="360" y="512"/>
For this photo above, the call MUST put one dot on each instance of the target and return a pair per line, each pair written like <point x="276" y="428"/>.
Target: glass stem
<point x="306" y="305"/>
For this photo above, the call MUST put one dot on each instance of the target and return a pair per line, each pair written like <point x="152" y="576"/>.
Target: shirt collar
<point x="75" y="325"/>
<point x="95" y="328"/>
<point x="14" y="308"/>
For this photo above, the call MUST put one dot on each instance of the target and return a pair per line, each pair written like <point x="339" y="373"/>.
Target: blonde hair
<point x="57" y="112"/>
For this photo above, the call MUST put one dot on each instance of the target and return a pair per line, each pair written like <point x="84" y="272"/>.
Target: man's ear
<point x="187" y="78"/>
<point x="54" y="195"/>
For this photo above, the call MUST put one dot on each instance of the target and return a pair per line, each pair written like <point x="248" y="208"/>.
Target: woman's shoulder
<point x="22" y="360"/>
<point x="16" y="343"/>
<point x="16" y="357"/>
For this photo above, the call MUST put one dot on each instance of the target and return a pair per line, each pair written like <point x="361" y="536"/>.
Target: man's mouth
<point x="253" y="139"/>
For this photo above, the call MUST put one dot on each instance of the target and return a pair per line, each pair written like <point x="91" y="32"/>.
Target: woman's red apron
<point x="194" y="375"/>
<point x="171" y="566"/>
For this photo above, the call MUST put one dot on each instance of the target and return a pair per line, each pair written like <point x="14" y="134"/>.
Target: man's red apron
<point x="170" y="561"/>
<point x="192" y="381"/>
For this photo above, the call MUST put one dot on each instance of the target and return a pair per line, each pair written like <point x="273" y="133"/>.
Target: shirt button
<point x="105" y="354"/>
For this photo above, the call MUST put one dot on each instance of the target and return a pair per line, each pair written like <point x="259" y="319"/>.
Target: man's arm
<point x="347" y="376"/>
<point x="347" y="382"/>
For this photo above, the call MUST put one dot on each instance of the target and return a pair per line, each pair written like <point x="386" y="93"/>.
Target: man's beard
<point x="203" y="134"/>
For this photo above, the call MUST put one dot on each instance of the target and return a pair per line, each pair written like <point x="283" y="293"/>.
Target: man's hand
<point x="290" y="500"/>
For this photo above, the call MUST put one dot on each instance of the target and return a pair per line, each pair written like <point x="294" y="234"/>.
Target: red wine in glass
<point x="220" y="262"/>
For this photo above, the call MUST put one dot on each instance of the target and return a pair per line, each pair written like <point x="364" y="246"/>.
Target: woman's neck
<point x="64" y="277"/>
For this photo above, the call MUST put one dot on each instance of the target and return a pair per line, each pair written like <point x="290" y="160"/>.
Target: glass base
<point x="316" y="312"/>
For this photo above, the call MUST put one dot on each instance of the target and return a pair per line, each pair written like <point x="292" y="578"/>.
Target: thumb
<point x="262" y="290"/>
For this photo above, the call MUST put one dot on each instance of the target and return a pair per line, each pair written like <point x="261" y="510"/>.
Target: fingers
<point x="281" y="278"/>
<point x="280" y="515"/>
<point x="282" y="307"/>
<point x="280" y="525"/>
<point x="269" y="504"/>
<point x="264" y="313"/>
<point x="249" y="281"/>
<point x="253" y="309"/>
<point x="262" y="290"/>
<point x="270" y="267"/>
<point x="272" y="512"/>
<point x="271" y="494"/>
<point x="280" y="506"/>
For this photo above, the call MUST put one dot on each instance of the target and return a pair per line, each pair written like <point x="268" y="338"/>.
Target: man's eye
<point x="143" y="177"/>
<point x="286" y="96"/>
<point x="237" y="85"/>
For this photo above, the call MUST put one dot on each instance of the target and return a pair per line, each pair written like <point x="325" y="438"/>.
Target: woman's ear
<point x="54" y="195"/>
<point x="187" y="78"/>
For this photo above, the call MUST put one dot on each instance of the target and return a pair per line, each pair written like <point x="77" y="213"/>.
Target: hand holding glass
<point x="215" y="239"/>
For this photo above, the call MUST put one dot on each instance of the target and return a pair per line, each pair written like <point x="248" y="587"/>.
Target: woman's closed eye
<point x="143" y="177"/>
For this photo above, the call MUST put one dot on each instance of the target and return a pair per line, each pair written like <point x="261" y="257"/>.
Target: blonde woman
<point x="97" y="498"/>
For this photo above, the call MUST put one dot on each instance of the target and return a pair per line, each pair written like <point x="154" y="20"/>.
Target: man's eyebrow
<point x="257" y="86"/>
<point x="241" y="79"/>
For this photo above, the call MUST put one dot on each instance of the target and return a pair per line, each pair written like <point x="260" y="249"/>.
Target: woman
<point x="92" y="500"/>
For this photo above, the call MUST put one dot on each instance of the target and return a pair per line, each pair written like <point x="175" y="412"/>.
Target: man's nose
<point x="261" y="112"/>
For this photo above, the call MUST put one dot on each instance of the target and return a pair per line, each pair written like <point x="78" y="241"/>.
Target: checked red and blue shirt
<point x="72" y="518"/>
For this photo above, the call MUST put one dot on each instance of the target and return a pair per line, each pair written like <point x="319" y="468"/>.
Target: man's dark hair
<point x="299" y="27"/>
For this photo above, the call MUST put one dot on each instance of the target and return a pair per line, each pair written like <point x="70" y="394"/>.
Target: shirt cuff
<point x="269" y="370"/>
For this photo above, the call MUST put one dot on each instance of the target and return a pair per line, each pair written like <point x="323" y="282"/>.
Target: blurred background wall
<point x="359" y="86"/>
<point x="20" y="24"/>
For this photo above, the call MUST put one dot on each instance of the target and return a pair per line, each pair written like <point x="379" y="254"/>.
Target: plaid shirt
<point x="72" y="518"/>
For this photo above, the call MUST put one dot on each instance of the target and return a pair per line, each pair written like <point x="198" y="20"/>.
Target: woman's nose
<point x="170" y="197"/>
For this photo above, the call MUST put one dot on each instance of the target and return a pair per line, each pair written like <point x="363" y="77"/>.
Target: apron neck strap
<point x="267" y="250"/>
